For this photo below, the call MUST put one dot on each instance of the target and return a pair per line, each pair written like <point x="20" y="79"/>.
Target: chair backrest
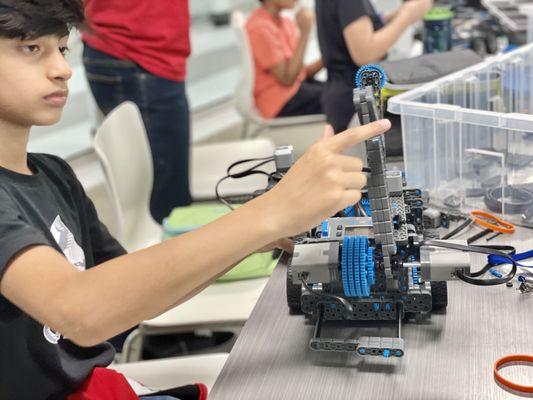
<point x="124" y="153"/>
<point x="244" y="93"/>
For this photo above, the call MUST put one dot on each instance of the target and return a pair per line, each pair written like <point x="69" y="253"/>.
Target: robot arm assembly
<point x="370" y="262"/>
<point x="377" y="260"/>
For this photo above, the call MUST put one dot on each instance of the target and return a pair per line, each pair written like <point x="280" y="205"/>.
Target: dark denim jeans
<point x="165" y="112"/>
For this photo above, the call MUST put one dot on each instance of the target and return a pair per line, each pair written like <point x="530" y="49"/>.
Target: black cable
<point x="240" y="175"/>
<point x="493" y="236"/>
<point x="478" y="235"/>
<point x="460" y="228"/>
<point x="220" y="198"/>
<point x="496" y="250"/>
<point x="250" y="171"/>
<point x="228" y="171"/>
<point x="348" y="308"/>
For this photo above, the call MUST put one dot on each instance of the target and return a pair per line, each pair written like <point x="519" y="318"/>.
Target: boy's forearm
<point x="385" y="38"/>
<point x="313" y="68"/>
<point x="198" y="290"/>
<point x="297" y="61"/>
<point x="159" y="272"/>
<point x="374" y="45"/>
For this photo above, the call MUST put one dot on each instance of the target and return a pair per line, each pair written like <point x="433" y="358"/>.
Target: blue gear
<point x="349" y="211"/>
<point x="352" y="278"/>
<point x="344" y="266"/>
<point x="365" y="290"/>
<point x="357" y="266"/>
<point x="371" y="275"/>
<point x="365" y="203"/>
<point x="415" y="276"/>
<point x="370" y="68"/>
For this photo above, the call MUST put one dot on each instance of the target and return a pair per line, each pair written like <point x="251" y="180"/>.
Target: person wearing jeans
<point x="136" y="50"/>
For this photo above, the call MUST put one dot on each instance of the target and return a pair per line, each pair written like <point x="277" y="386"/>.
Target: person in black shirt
<point x="66" y="285"/>
<point x="350" y="35"/>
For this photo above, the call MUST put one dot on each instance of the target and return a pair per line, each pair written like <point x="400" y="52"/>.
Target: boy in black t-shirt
<point x="66" y="285"/>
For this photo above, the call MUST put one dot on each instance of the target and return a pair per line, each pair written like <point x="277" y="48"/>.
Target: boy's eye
<point x="64" y="50"/>
<point x="31" y="48"/>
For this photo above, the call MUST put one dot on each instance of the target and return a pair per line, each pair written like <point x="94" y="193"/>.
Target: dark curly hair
<point x="30" y="19"/>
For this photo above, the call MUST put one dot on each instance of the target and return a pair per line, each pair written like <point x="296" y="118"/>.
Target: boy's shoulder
<point x="50" y="170"/>
<point x="55" y="171"/>
<point x="48" y="159"/>
<point x="51" y="163"/>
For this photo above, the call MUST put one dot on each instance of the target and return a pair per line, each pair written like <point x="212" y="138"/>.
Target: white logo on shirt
<point x="50" y="335"/>
<point x="74" y="254"/>
<point x="65" y="239"/>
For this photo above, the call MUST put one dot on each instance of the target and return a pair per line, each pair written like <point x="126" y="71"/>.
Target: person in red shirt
<point x="137" y="50"/>
<point x="283" y="84"/>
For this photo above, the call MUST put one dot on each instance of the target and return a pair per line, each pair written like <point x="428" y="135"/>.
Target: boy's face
<point x="33" y="80"/>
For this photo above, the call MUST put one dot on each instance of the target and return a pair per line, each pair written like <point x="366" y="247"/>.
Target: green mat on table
<point x="185" y="219"/>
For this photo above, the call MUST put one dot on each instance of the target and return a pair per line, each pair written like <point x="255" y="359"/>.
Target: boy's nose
<point x="59" y="68"/>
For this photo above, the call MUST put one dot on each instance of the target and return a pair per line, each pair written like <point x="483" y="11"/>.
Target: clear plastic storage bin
<point x="468" y="137"/>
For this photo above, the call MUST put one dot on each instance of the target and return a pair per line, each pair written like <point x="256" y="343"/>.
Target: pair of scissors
<point x="491" y="223"/>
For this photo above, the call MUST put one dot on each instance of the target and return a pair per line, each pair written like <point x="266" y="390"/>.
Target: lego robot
<point x="370" y="262"/>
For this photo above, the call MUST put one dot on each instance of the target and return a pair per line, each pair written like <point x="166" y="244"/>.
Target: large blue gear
<point x="357" y="266"/>
<point x="370" y="68"/>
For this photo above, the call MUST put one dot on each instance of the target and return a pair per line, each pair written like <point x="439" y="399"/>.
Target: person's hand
<point x="305" y="18"/>
<point x="322" y="182"/>
<point x="416" y="9"/>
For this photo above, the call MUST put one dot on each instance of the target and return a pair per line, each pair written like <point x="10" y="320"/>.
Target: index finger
<point x="353" y="136"/>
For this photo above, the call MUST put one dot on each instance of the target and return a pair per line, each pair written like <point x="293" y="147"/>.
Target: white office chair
<point x="244" y="99"/>
<point x="124" y="153"/>
<point x="173" y="372"/>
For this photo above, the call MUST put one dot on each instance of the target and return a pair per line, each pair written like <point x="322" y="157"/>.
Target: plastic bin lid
<point x="438" y="14"/>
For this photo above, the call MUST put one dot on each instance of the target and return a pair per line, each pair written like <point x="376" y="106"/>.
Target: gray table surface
<point x="448" y="356"/>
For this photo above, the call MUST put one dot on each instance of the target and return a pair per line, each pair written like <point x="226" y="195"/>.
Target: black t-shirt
<point x="49" y="208"/>
<point x="332" y="17"/>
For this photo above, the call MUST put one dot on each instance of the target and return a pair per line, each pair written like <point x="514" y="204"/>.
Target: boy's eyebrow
<point x="55" y="35"/>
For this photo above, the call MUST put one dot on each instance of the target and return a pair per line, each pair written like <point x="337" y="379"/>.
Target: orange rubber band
<point x="498" y="224"/>
<point x="507" y="383"/>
